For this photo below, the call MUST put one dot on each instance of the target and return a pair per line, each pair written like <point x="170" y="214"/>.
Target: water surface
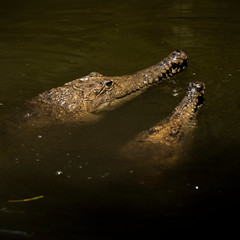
<point x="89" y="189"/>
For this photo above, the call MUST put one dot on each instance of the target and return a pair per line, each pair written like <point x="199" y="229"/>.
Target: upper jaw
<point x="177" y="57"/>
<point x="174" y="63"/>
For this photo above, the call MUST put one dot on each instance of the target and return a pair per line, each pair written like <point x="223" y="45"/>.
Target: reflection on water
<point x="88" y="188"/>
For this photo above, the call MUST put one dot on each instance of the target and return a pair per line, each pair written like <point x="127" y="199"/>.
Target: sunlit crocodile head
<point x="164" y="144"/>
<point x="171" y="131"/>
<point x="96" y="92"/>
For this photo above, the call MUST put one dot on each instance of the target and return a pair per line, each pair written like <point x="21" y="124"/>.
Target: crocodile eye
<point x="108" y="84"/>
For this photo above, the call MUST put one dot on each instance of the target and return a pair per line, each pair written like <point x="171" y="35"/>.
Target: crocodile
<point x="163" y="142"/>
<point x="95" y="92"/>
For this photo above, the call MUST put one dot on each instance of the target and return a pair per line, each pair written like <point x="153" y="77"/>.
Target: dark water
<point x="89" y="190"/>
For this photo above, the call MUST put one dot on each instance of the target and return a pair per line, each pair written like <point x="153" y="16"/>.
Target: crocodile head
<point x="162" y="143"/>
<point x="96" y="92"/>
<point x="172" y="130"/>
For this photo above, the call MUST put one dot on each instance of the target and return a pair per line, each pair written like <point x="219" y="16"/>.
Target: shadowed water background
<point x="89" y="189"/>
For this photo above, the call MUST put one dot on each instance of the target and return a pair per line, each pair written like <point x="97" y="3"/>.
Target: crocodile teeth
<point x="167" y="67"/>
<point x="150" y="80"/>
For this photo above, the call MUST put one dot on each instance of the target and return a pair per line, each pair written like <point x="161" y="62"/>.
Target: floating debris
<point x="175" y="93"/>
<point x="14" y="232"/>
<point x="26" y="199"/>
<point x="105" y="175"/>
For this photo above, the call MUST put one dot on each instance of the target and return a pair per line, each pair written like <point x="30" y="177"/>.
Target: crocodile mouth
<point x="200" y="101"/>
<point x="175" y="68"/>
<point x="174" y="63"/>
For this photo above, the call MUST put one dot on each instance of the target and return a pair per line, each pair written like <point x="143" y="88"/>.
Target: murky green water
<point x="89" y="190"/>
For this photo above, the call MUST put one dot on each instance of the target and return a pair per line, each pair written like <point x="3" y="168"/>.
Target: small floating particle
<point x="89" y="178"/>
<point x="196" y="187"/>
<point x="131" y="171"/>
<point x="27" y="115"/>
<point x="175" y="92"/>
<point x="105" y="175"/>
<point x="59" y="172"/>
<point x="39" y="136"/>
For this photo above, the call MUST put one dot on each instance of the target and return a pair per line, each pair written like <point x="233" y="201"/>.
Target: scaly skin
<point x="95" y="92"/>
<point x="164" y="139"/>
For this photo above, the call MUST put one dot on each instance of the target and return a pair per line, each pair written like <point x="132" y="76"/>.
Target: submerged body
<point x="93" y="93"/>
<point x="162" y="143"/>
